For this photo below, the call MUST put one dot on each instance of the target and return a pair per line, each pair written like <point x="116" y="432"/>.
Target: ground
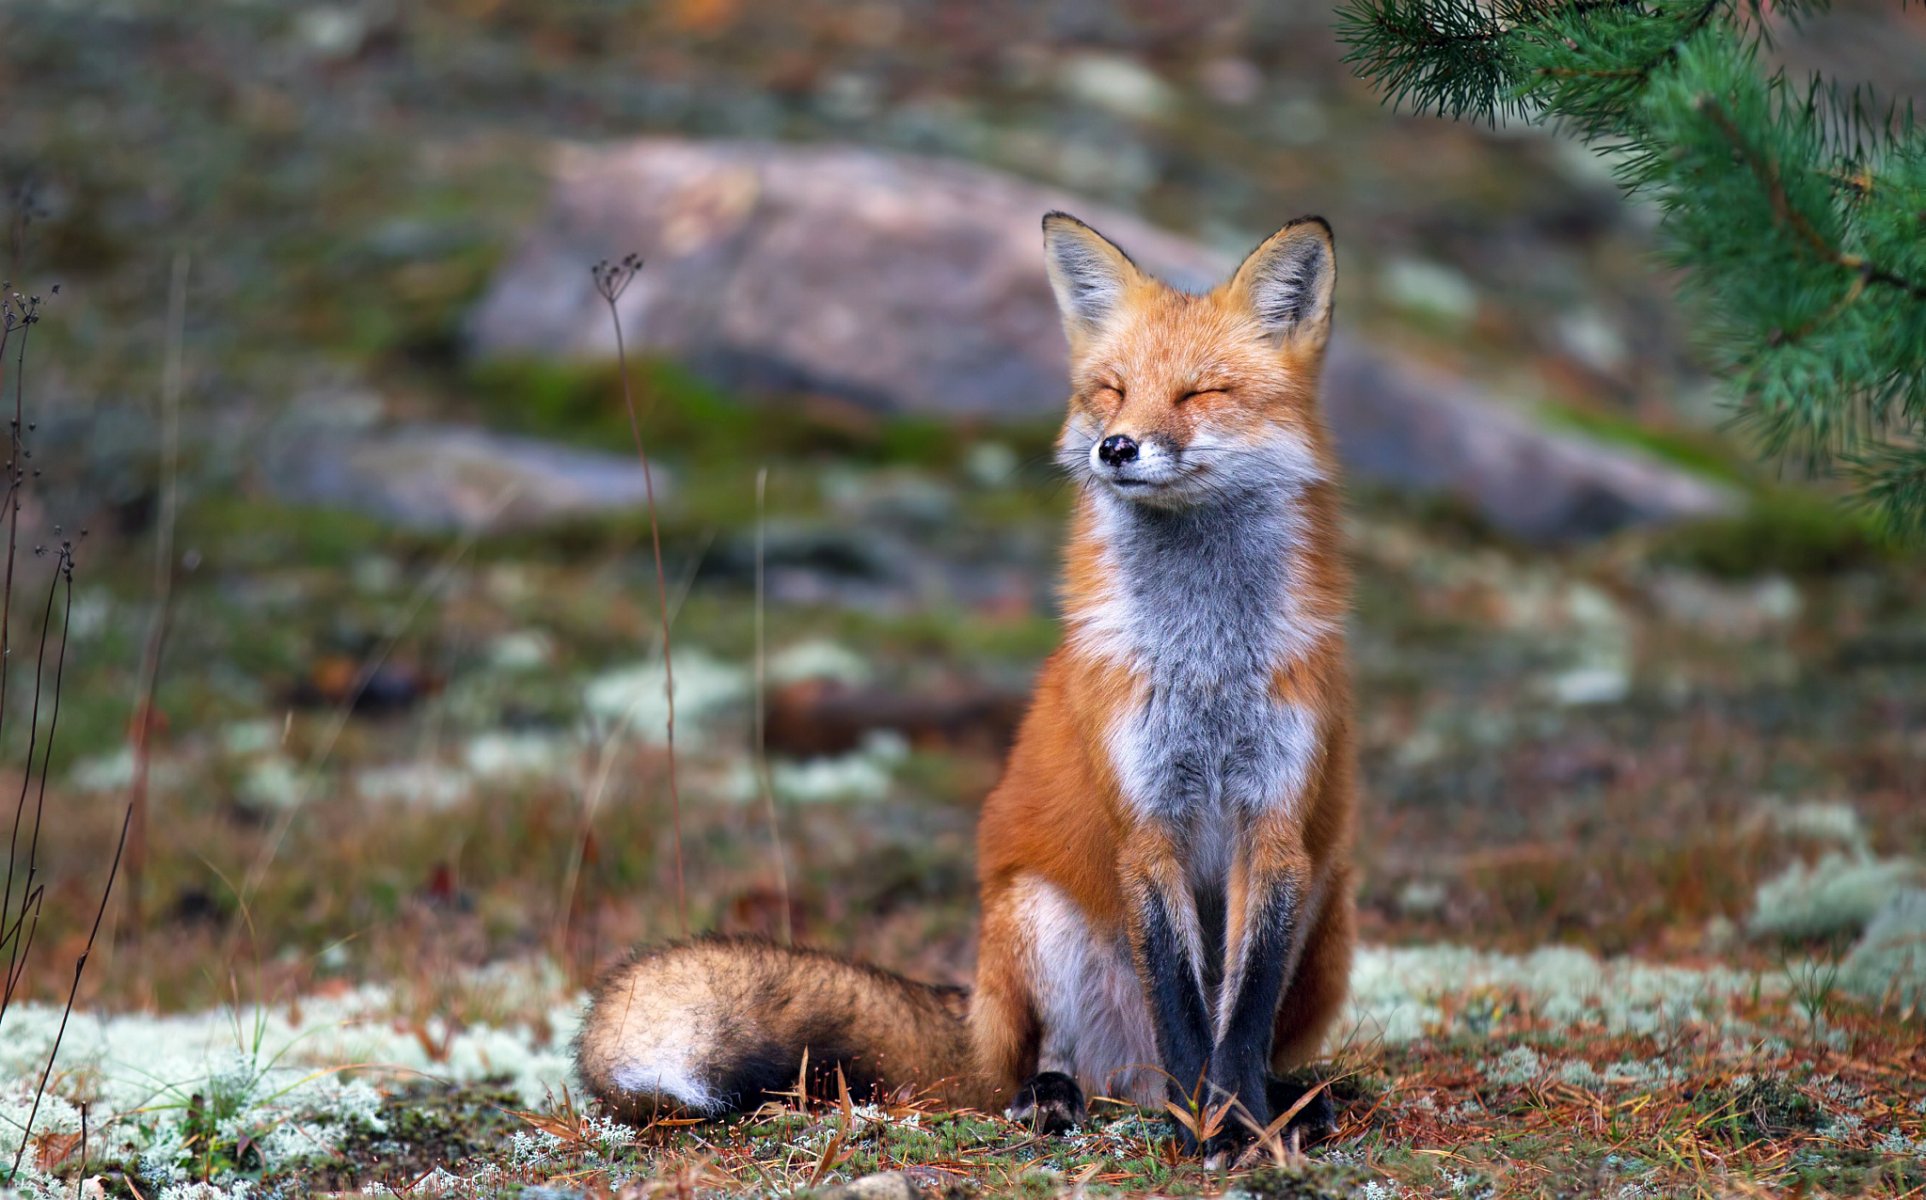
<point x="1637" y="810"/>
<point x="1596" y="774"/>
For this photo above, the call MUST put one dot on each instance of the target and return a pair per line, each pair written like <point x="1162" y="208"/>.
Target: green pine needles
<point x="1797" y="213"/>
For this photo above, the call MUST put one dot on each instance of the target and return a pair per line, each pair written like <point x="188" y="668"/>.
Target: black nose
<point x="1117" y="450"/>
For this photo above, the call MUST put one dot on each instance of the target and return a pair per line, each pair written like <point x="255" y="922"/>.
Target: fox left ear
<point x="1089" y="274"/>
<point x="1288" y="281"/>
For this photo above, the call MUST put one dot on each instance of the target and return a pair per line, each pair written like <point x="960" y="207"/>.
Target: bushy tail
<point x="719" y="1024"/>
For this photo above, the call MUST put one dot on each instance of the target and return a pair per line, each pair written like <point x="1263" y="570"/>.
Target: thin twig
<point x="20" y="944"/>
<point x="65" y="576"/>
<point x="143" y="727"/>
<point x="611" y="280"/>
<point x="16" y="478"/>
<point x="17" y="313"/>
<point x="606" y="757"/>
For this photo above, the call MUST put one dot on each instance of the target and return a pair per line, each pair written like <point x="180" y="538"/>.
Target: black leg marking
<point x="1212" y="927"/>
<point x="1050" y="1103"/>
<point x="1240" y="1063"/>
<point x="1177" y="1008"/>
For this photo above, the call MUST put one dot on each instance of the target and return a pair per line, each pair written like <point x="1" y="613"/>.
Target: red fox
<point x="1165" y="865"/>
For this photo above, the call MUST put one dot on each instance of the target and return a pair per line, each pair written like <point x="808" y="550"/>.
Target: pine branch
<point x="1789" y="215"/>
<point x="1893" y="481"/>
<point x="1451" y="57"/>
<point x="1589" y="67"/>
<point x="1797" y="217"/>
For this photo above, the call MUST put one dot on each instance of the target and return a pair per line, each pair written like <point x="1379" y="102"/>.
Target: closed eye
<point x="1187" y="397"/>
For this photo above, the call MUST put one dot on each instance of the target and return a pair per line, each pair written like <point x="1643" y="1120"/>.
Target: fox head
<point x="1180" y="398"/>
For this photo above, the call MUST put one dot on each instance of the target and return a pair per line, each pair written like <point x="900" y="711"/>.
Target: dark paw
<point x="1223" y="1122"/>
<point x="1315" y="1122"/>
<point x="1050" y="1103"/>
<point x="1227" y="1147"/>
<point x="1239" y="1126"/>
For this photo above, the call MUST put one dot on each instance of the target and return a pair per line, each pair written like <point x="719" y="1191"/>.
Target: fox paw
<point x="1315" y="1122"/>
<point x="1234" y="1141"/>
<point x="1050" y="1103"/>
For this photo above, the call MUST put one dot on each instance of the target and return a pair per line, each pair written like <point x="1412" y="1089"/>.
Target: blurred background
<point x="408" y="715"/>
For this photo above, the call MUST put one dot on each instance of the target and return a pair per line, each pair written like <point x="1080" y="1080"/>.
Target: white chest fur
<point x="1202" y="607"/>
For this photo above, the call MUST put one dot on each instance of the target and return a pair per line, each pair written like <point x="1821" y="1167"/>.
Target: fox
<point x="1164" y="867"/>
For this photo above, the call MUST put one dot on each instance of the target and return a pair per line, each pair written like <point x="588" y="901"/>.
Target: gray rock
<point x="1411" y="428"/>
<point x="917" y="285"/>
<point x="913" y="1184"/>
<point x="885" y="1185"/>
<point x="444" y="477"/>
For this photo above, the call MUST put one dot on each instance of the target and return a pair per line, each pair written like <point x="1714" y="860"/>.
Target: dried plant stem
<point x="762" y="701"/>
<point x="150" y="666"/>
<point x="16" y="313"/>
<point x="16" y="479"/>
<point x="611" y="280"/>
<point x="18" y="935"/>
<point x="63" y="577"/>
<point x="11" y="927"/>
<point x="73" y="992"/>
<point x="63" y="573"/>
<point x="607" y="755"/>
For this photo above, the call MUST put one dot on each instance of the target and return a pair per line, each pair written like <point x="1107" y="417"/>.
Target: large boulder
<point x="917" y="285"/>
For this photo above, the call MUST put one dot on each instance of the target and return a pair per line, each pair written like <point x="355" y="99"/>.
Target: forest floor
<point x="1628" y="821"/>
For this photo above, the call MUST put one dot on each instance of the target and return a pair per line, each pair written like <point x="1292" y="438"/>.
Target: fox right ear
<point x="1288" y="280"/>
<point x="1087" y="272"/>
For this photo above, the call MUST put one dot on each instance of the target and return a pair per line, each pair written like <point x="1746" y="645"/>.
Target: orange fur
<point x="1170" y="364"/>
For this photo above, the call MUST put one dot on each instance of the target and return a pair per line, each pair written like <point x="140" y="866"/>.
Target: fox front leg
<point x="1264" y="915"/>
<point x="1167" y="945"/>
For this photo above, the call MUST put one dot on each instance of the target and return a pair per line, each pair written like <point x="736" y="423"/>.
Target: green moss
<point x="1698" y="452"/>
<point x="963" y="638"/>
<point x="1781" y="530"/>
<point x="93" y="721"/>
<point x="209" y="1129"/>
<point x="1758" y="1109"/>
<point x="685" y="418"/>
<point x="423" y="1126"/>
<point x="240" y="532"/>
<point x="1448" y="519"/>
<point x="1303" y="1181"/>
<point x="1837" y="1171"/>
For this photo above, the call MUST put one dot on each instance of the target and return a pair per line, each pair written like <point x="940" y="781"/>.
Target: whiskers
<point x="1208" y="470"/>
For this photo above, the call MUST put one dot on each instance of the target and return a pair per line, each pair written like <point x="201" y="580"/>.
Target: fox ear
<point x="1288" y="281"/>
<point x="1087" y="272"/>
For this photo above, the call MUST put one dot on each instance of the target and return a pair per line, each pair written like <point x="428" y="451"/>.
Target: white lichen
<point x="1831" y="823"/>
<point x="864" y="774"/>
<point x="818" y="658"/>
<point x="1888" y="965"/>
<point x="1398" y="995"/>
<point x="270" y="1078"/>
<point x="635" y="697"/>
<point x="1836" y="895"/>
<point x="1520" y="1064"/>
<point x="513" y="754"/>
<point x="428" y="785"/>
